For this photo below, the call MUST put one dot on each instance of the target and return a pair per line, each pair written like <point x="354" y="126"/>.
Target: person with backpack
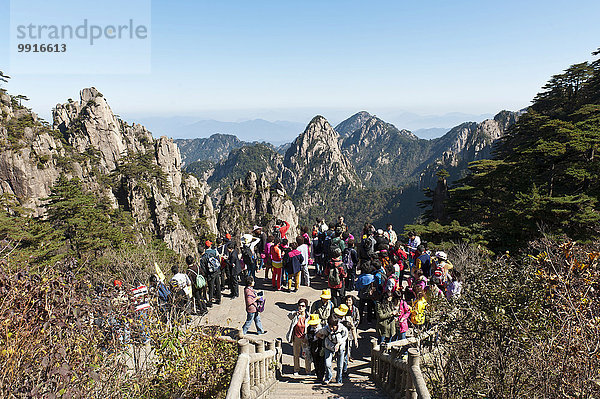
<point x="380" y="275"/>
<point x="350" y="260"/>
<point x="334" y="336"/>
<point x="259" y="249"/>
<point x="295" y="260"/>
<point x="276" y="262"/>
<point x="249" y="243"/>
<point x="366" y="299"/>
<point x="198" y="282"/>
<point x="335" y="276"/>
<point x="303" y="246"/>
<point x="234" y="268"/>
<point x="220" y="246"/>
<point x="163" y="296"/>
<point x="181" y="286"/>
<point x="213" y="268"/>
<point x="337" y="242"/>
<point x="423" y="260"/>
<point x="351" y="320"/>
<point x="251" y="298"/>
<point x="367" y="248"/>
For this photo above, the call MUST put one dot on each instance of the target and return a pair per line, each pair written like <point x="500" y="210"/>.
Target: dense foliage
<point x="545" y="173"/>
<point x="525" y="326"/>
<point x="59" y="337"/>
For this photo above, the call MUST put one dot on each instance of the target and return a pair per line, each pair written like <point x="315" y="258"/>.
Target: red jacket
<point x="284" y="229"/>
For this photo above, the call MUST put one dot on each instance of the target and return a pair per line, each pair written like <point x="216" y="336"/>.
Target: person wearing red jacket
<point x="283" y="228"/>
<point x="335" y="280"/>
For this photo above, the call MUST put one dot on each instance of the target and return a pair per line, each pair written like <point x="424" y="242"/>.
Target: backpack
<point x="163" y="292"/>
<point x="347" y="259"/>
<point x="214" y="265"/>
<point x="260" y="304"/>
<point x="367" y="247"/>
<point x="200" y="281"/>
<point x="247" y="256"/>
<point x="379" y="281"/>
<point x="334" y="275"/>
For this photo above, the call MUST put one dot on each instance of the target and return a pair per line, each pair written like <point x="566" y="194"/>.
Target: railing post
<point x="271" y="361"/>
<point x="278" y="357"/>
<point x="393" y="380"/>
<point x="375" y="360"/>
<point x="413" y="360"/>
<point x="243" y="346"/>
<point x="260" y="369"/>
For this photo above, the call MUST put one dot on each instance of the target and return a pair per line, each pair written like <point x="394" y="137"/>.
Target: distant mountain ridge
<point x="323" y="167"/>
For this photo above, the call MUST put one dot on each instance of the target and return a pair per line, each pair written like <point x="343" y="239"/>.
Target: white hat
<point x="256" y="228"/>
<point x="247" y="238"/>
<point x="379" y="232"/>
<point x="441" y="255"/>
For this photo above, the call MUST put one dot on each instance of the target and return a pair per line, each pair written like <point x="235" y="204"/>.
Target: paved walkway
<point x="231" y="313"/>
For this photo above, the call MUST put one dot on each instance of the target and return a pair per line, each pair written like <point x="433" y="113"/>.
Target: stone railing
<point x="256" y="370"/>
<point x="396" y="366"/>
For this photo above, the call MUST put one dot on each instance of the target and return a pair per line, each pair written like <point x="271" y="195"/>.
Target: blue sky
<point x="240" y="59"/>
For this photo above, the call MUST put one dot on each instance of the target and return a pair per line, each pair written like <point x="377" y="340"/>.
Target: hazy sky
<point x="428" y="57"/>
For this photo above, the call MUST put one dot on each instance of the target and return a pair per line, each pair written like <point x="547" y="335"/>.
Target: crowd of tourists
<point x="373" y="280"/>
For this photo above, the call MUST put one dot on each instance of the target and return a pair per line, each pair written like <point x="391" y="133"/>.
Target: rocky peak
<point x="90" y="125"/>
<point x="375" y="130"/>
<point x="320" y="171"/>
<point x="256" y="201"/>
<point x="355" y="122"/>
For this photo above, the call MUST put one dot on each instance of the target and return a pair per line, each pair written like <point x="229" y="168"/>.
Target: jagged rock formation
<point x="465" y="143"/>
<point x="214" y="148"/>
<point x="256" y="201"/>
<point x="113" y="159"/>
<point x="383" y="155"/>
<point x="320" y="172"/>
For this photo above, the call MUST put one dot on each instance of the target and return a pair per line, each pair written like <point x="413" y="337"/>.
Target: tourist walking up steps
<point x="334" y="342"/>
<point x="252" y="307"/>
<point x="324" y="307"/>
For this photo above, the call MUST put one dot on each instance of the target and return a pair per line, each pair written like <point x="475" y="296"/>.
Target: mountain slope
<point x="119" y="163"/>
<point x="213" y="148"/>
<point x="320" y="173"/>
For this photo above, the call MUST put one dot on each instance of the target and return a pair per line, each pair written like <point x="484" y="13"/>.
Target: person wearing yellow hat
<point x="315" y="345"/>
<point x="324" y="307"/>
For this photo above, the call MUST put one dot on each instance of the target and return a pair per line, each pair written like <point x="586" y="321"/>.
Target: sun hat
<point x="326" y="294"/>
<point x="256" y="228"/>
<point x="314" y="320"/>
<point x="228" y="236"/>
<point x="441" y="255"/>
<point x="208" y="243"/>
<point x="341" y="310"/>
